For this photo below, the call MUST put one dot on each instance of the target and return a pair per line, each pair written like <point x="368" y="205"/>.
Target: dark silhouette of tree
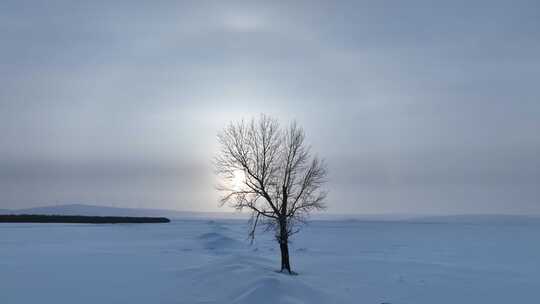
<point x="270" y="171"/>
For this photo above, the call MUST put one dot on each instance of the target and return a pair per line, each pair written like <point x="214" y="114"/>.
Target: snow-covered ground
<point x="210" y="261"/>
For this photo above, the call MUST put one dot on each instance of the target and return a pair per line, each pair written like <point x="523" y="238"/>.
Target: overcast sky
<point x="418" y="106"/>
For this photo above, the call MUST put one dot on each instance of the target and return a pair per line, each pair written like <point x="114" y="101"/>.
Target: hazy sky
<point x="418" y="106"/>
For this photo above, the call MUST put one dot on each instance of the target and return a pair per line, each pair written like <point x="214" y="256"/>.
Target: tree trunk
<point x="284" y="247"/>
<point x="285" y="264"/>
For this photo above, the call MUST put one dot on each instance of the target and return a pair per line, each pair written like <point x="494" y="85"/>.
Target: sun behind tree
<point x="270" y="171"/>
<point x="238" y="180"/>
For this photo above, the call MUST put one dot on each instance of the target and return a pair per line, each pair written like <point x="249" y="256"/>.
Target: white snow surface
<point x="211" y="261"/>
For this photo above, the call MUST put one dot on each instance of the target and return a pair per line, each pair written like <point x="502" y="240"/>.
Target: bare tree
<point x="270" y="171"/>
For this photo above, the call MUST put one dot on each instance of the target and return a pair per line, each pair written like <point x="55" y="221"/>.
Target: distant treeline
<point x="31" y="218"/>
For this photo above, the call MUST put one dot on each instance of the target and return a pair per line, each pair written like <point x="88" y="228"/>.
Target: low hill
<point x="93" y="210"/>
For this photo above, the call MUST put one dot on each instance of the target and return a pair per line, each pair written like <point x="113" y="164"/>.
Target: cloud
<point x="403" y="98"/>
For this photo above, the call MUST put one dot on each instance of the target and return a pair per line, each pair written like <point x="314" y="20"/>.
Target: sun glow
<point x="238" y="180"/>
